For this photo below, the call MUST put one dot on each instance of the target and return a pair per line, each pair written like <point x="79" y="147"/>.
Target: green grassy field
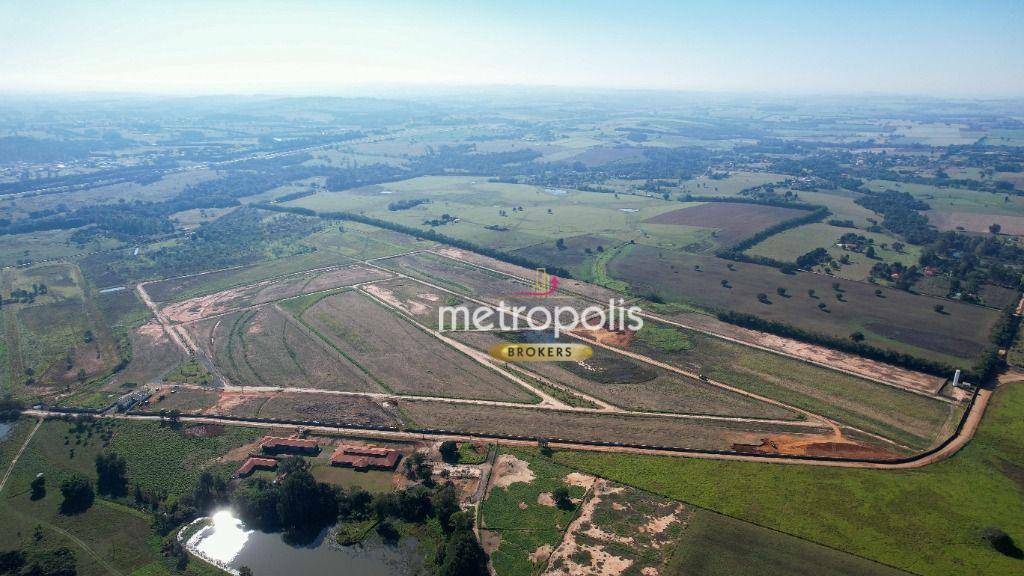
<point x="927" y="520"/>
<point x="110" y="535"/>
<point x="524" y="524"/>
<point x="956" y="200"/>
<point x="479" y="204"/>
<point x="793" y="243"/>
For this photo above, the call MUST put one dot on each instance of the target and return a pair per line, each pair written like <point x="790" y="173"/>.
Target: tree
<point x="449" y="451"/>
<point x="112" y="474"/>
<point x="781" y="291"/>
<point x="244" y="571"/>
<point x="857" y="336"/>
<point x="38" y="488"/>
<point x="763" y="298"/>
<point x="562" y="499"/>
<point x="293" y="464"/>
<point x="416" y="467"/>
<point x="878" y="292"/>
<point x="870" y="252"/>
<point x="78" y="494"/>
<point x="995" y="228"/>
<point x="445" y="502"/>
<point x="811" y="292"/>
<point x="560" y="243"/>
<point x="463" y="556"/>
<point x="940" y="308"/>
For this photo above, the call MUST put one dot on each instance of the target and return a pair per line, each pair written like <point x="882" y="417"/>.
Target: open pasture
<point x="733" y="222"/>
<point x="497" y="215"/>
<point x="895" y="320"/>
<point x="974" y="222"/>
<point x="793" y="243"/>
<point x="59" y="337"/>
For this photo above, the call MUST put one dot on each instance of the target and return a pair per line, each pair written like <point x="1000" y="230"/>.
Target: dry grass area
<point x="402" y="357"/>
<point x="734" y="221"/>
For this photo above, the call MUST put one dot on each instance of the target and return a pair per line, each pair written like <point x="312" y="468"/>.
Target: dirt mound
<point x="508" y="470"/>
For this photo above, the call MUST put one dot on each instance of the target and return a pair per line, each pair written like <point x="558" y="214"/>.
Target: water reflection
<point x="223" y="539"/>
<point x="228" y="543"/>
<point x="5" y="429"/>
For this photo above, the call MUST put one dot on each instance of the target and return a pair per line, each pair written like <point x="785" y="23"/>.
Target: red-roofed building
<point x="278" y="445"/>
<point x="253" y="464"/>
<point x="365" y="457"/>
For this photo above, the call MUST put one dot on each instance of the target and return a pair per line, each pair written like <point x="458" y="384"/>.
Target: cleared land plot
<point x="269" y="291"/>
<point x="898" y="320"/>
<point x="521" y="526"/>
<point x="916" y="420"/>
<point x="630" y="384"/>
<point x="791" y="244"/>
<point x="415" y="299"/>
<point x="734" y="222"/>
<point x="973" y="222"/>
<point x="265" y="347"/>
<point x="402" y="357"/>
<point x="210" y="282"/>
<point x="576" y="426"/>
<point x="620" y="530"/>
<point x="329" y="409"/>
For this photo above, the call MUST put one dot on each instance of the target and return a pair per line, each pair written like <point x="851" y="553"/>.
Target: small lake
<point x="229" y="543"/>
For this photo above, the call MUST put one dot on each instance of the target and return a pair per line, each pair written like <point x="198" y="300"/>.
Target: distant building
<point x="253" y="464"/>
<point x="278" y="445"/>
<point x="365" y="457"/>
<point x="130" y="400"/>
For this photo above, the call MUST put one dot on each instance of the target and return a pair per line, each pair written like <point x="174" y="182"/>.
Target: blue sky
<point x="940" y="48"/>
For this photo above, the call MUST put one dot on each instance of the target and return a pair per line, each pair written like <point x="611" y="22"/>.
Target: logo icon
<point x="543" y="284"/>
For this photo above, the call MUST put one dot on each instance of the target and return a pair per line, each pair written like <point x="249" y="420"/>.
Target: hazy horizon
<point x="940" y="49"/>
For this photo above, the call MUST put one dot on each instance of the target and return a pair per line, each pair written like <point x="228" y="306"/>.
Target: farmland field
<point x="366" y="332"/>
<point x="734" y="222"/>
<point x="897" y="320"/>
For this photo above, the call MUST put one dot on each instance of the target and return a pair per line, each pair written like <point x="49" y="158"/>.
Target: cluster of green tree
<point x="973" y="260"/>
<point x="813" y="258"/>
<point x="407" y="204"/>
<point x="38" y="561"/>
<point x="10" y="407"/>
<point x="25" y="296"/>
<point x="900" y="214"/>
<point x="428" y="234"/>
<point x="831" y="169"/>
<point x="40" y="150"/>
<point x="899" y="274"/>
<point x="299" y="506"/>
<point x="445" y="218"/>
<point x="240" y="237"/>
<point x="68" y="182"/>
<point x="842" y="223"/>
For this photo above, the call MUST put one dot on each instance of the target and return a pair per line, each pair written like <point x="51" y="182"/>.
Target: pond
<point x="5" y="428"/>
<point x="228" y="543"/>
